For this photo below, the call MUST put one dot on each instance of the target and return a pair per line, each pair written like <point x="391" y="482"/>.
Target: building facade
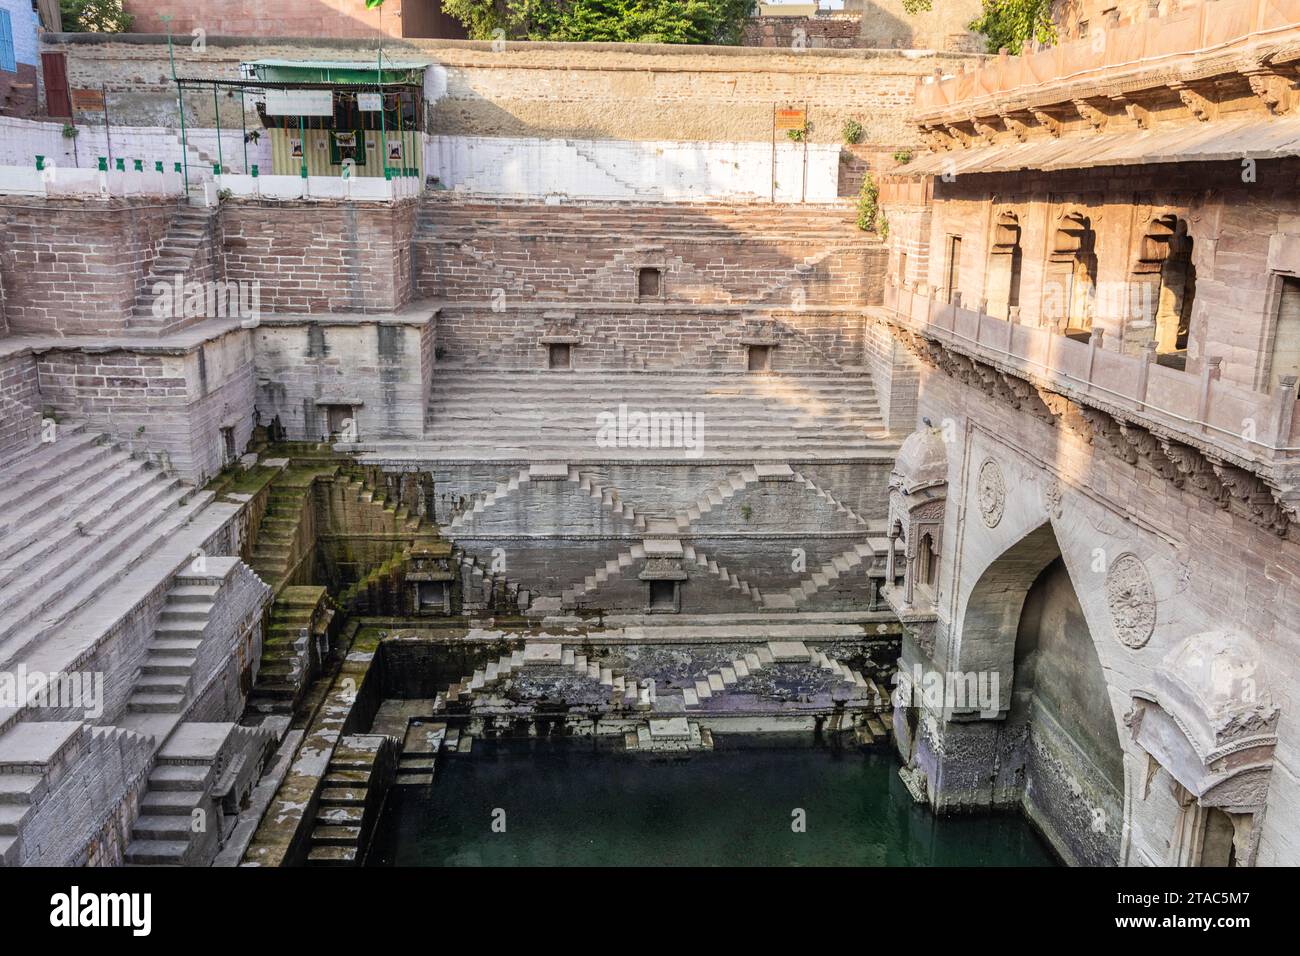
<point x="1101" y="294"/>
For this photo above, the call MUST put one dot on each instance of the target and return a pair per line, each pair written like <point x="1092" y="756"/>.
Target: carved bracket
<point x="1197" y="103"/>
<point x="1048" y="122"/>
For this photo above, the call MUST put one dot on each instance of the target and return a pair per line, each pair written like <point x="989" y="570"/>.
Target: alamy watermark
<point x="54" y="690"/>
<point x="633" y="428"/>
<point x="207" y="300"/>
<point x="952" y="690"/>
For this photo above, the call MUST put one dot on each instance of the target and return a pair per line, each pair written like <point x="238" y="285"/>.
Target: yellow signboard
<point x="791" y="119"/>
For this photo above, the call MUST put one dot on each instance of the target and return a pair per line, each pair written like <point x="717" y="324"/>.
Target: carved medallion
<point x="991" y="492"/>
<point x="1132" y="602"/>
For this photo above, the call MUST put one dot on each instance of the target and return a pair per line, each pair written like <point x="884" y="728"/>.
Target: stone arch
<point x="1164" y="278"/>
<point x="1071" y="286"/>
<point x="993" y="607"/>
<point x="1060" y="730"/>
<point x="1006" y="261"/>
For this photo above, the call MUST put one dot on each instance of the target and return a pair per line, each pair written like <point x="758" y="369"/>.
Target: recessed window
<point x="648" y="283"/>
<point x="228" y="451"/>
<point x="559" y="355"/>
<point x="760" y="358"/>
<point x="432" y="595"/>
<point x="341" y="422"/>
<point x="663" y="595"/>
<point x="952" y="274"/>
<point x="1285" y="356"/>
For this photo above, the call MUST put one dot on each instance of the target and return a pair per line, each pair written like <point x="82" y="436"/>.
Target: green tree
<point x="611" y="21"/>
<point x="1005" y="23"/>
<point x="1009" y="23"/>
<point x="94" y="16"/>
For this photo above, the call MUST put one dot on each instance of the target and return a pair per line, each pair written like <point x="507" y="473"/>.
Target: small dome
<point x="1215" y="682"/>
<point x="1220" y="669"/>
<point x="922" y="460"/>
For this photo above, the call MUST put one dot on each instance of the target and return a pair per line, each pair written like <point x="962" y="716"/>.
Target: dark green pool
<point x="567" y="805"/>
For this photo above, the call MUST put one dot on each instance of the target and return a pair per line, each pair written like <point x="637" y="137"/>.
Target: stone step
<point x="62" y="547"/>
<point x="41" y="609"/>
<point x="332" y="816"/>
<point x="332" y="835"/>
<point x="168" y="827"/>
<point x="179" y="777"/>
<point x="156" y="703"/>
<point x="193" y="593"/>
<point x="20" y="788"/>
<point x="80" y="499"/>
<point x="156" y="852"/>
<point x="326" y="855"/>
<point x="347" y="778"/>
<point x="170" y="802"/>
<point x="75" y="451"/>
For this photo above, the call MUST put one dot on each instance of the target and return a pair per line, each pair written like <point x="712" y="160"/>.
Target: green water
<point x="566" y="805"/>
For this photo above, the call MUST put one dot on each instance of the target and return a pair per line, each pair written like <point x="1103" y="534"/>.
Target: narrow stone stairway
<point x="175" y="259"/>
<point x="342" y="821"/>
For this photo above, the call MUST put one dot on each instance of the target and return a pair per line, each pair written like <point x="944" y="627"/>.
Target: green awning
<point x="337" y="71"/>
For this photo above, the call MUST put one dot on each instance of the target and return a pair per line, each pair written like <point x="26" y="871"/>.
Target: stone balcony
<point x="1233" y="429"/>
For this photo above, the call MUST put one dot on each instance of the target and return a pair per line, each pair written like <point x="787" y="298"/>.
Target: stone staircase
<point x="763" y="656"/>
<point x="166" y="674"/>
<point x="538" y="655"/>
<point x="184" y="240"/>
<point x="701" y="560"/>
<point x="611" y="568"/>
<point x="596" y="487"/>
<point x="283" y="671"/>
<point x="478" y="583"/>
<point x="716" y="496"/>
<point x="35" y="759"/>
<point x="451" y="218"/>
<point x="421" y="745"/>
<point x="486" y="500"/>
<point x="273" y="556"/>
<point x="80" y="513"/>
<point x="826" y="496"/>
<point x="553" y="414"/>
<point x="201" y="773"/>
<point x="827" y="574"/>
<point x="342" y="821"/>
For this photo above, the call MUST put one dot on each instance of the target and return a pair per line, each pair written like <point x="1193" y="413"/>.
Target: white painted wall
<point x="617" y="169"/>
<point x="22" y="140"/>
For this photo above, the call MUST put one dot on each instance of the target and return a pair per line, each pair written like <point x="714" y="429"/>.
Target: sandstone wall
<point x="587" y="252"/>
<point x="20" y="401"/>
<point x="172" y="401"/>
<point x="320" y="257"/>
<point x="1241" y="233"/>
<point x="838" y="32"/>
<point x="607" y="91"/>
<point x="73" y="268"/>
<point x="649" y="336"/>
<point x="381" y="368"/>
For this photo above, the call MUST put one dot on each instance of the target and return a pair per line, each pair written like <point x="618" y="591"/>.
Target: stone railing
<point x="356" y="188"/>
<point x="57" y="181"/>
<point x="1253" y="426"/>
<point x="1208" y="27"/>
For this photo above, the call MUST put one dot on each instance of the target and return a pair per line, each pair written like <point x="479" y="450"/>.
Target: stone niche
<point x="1209" y="722"/>
<point x="918" y="492"/>
<point x="429" y="580"/>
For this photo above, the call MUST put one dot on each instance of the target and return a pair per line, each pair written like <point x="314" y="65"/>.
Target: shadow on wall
<point x="295" y="18"/>
<point x="886" y="24"/>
